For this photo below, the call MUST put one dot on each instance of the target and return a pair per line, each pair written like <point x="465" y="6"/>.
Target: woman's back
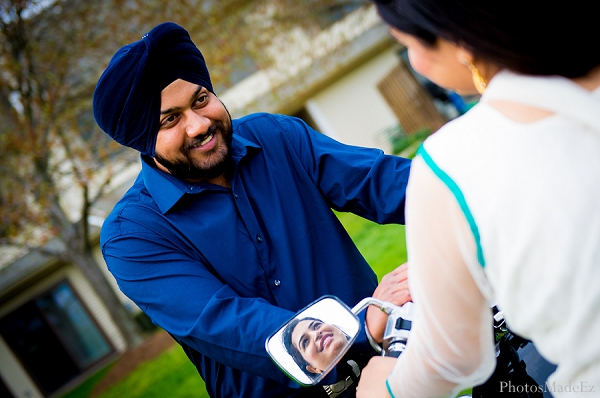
<point x="533" y="193"/>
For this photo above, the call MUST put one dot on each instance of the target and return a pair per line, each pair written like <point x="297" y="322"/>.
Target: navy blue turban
<point x="126" y="100"/>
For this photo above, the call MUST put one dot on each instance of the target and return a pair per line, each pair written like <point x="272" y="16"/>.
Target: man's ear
<point x="312" y="369"/>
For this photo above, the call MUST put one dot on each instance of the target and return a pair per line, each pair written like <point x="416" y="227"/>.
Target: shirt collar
<point x="166" y="190"/>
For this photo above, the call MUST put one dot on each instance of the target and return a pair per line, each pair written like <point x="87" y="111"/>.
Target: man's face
<point x="194" y="135"/>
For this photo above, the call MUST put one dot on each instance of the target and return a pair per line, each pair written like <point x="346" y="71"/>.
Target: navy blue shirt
<point x="221" y="269"/>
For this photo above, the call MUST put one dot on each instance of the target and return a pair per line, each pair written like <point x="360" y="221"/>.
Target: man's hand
<point x="394" y="289"/>
<point x="373" y="376"/>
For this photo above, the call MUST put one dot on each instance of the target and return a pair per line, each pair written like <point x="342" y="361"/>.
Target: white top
<point x="506" y="213"/>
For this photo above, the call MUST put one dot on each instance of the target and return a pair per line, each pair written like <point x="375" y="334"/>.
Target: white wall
<point x="352" y="110"/>
<point x="96" y="307"/>
<point x="14" y="376"/>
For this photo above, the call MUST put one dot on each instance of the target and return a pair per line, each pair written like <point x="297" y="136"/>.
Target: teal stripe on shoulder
<point x="460" y="198"/>
<point x="387" y="385"/>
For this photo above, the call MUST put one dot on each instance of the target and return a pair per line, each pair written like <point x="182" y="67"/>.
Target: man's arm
<point x="360" y="180"/>
<point x="186" y="298"/>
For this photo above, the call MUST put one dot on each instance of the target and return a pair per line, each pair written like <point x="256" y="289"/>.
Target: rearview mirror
<point x="308" y="346"/>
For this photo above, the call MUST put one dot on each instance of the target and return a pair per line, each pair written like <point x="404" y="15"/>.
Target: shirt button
<point x="258" y="238"/>
<point x="235" y="195"/>
<point x="277" y="282"/>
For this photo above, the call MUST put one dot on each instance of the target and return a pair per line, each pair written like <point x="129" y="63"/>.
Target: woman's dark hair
<point x="526" y="36"/>
<point x="291" y="349"/>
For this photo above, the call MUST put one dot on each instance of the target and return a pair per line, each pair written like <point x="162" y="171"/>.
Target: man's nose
<point x="196" y="124"/>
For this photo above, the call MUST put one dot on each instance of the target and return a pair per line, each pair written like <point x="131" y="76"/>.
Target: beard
<point x="216" y="162"/>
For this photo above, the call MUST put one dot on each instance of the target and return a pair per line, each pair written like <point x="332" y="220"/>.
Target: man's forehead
<point x="178" y="93"/>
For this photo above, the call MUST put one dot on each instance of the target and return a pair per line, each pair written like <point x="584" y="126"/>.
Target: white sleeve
<point x="451" y="345"/>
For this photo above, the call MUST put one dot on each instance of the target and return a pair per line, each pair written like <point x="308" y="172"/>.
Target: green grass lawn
<point x="169" y="375"/>
<point x="383" y="246"/>
<point x="172" y="375"/>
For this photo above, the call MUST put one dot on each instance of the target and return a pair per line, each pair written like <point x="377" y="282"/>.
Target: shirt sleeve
<point x="363" y="181"/>
<point x="451" y="345"/>
<point x="186" y="298"/>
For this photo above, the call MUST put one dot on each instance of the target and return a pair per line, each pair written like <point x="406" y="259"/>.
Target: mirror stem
<point x="364" y="303"/>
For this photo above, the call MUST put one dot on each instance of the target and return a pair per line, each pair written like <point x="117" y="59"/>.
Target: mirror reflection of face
<point x="318" y="343"/>
<point x="333" y="316"/>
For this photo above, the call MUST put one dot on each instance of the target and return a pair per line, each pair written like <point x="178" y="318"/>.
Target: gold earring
<point x="478" y="79"/>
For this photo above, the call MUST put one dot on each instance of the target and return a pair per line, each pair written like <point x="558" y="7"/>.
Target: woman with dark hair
<point x="503" y="203"/>
<point x="313" y="344"/>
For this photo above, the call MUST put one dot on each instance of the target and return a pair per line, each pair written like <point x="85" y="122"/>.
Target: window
<point x="54" y="337"/>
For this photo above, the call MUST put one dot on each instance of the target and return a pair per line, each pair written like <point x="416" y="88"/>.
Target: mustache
<point x="213" y="129"/>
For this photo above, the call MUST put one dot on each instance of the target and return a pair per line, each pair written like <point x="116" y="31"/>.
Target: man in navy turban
<point x="127" y="98"/>
<point x="228" y="229"/>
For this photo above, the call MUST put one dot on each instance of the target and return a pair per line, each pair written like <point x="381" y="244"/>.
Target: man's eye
<point x="168" y="120"/>
<point x="202" y="99"/>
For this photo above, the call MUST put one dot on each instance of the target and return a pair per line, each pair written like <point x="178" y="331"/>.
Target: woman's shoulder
<point x="463" y="131"/>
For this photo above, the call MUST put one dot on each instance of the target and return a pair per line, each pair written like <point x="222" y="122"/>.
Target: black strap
<point x="348" y="371"/>
<point x="403" y="324"/>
